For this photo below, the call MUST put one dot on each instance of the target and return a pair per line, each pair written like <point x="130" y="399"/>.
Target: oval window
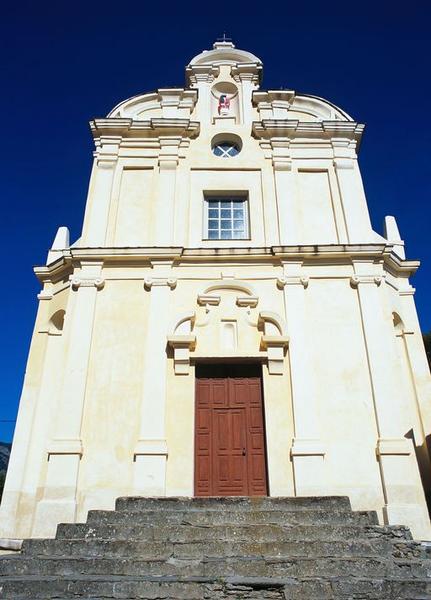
<point x="226" y="149"/>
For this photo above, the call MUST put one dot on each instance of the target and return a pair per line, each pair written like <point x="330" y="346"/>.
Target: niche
<point x="225" y="102"/>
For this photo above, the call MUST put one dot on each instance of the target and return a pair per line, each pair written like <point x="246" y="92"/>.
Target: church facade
<point x="229" y="323"/>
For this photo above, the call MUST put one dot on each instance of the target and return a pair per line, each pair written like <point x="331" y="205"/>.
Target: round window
<point x="226" y="149"/>
<point x="226" y="145"/>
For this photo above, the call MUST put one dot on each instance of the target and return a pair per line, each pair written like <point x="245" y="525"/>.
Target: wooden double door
<point x="230" y="457"/>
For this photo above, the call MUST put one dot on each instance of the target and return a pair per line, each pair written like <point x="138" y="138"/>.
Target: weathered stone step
<point x="304" y="566"/>
<point x="194" y="533"/>
<point x="306" y="517"/>
<point x="233" y="503"/>
<point x="234" y="588"/>
<point x="208" y="549"/>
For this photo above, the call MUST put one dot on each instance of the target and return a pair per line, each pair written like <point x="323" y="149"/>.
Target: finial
<point x="223" y="42"/>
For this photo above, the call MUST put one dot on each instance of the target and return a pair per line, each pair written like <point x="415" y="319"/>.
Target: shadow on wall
<point x="427" y="342"/>
<point x="423" y="454"/>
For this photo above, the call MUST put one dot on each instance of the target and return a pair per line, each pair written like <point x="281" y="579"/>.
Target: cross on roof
<point x="224" y="38"/>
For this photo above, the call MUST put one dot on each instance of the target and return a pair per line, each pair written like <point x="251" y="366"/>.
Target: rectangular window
<point x="226" y="217"/>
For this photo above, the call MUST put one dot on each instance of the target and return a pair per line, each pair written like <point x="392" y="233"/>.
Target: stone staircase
<point x="221" y="549"/>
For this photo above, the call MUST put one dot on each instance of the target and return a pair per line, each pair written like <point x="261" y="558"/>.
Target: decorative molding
<point x="77" y="282"/>
<point x="150" y="282"/>
<point x="154" y="447"/>
<point x="45" y="295"/>
<point x="343" y="163"/>
<point x="394" y="447"/>
<point x="307" y="447"/>
<point x="274" y="340"/>
<point x="247" y="72"/>
<point x="355" y="280"/>
<point x="196" y="74"/>
<point x="409" y="292"/>
<point x="182" y="346"/>
<point x="208" y="300"/>
<point x="65" y="447"/>
<point x="292" y="128"/>
<point x="247" y="301"/>
<point x="292" y="280"/>
<point x="282" y="163"/>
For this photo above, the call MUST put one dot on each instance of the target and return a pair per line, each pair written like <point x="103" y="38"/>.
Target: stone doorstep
<point x="10" y="545"/>
<point x="197" y="588"/>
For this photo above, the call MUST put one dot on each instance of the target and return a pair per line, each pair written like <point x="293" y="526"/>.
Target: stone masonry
<point x="220" y="549"/>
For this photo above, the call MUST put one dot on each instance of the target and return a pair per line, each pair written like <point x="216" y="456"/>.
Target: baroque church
<point x="228" y="323"/>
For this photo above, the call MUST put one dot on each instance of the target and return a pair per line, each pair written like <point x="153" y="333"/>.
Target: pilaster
<point x="308" y="451"/>
<point x="151" y="450"/>
<point x="404" y="498"/>
<point x="289" y="223"/>
<point x="96" y="221"/>
<point x="65" y="447"/>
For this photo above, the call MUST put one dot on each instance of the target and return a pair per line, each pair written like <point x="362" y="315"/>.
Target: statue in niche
<point x="223" y="105"/>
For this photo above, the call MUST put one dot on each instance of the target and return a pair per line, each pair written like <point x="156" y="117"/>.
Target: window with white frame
<point x="226" y="217"/>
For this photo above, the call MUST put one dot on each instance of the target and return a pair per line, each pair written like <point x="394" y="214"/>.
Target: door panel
<point x="229" y="440"/>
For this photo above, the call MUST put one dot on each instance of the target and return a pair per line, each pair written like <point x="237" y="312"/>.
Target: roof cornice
<point x="129" y="128"/>
<point x="292" y="128"/>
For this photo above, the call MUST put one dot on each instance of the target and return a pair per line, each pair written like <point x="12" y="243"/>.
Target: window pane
<point x="226" y="214"/>
<point x="239" y="235"/>
<point x="212" y="224"/>
<point x="238" y="213"/>
<point x="226" y="224"/>
<point x="213" y="213"/>
<point x="226" y="204"/>
<point x="226" y="235"/>
<point x="218" y="150"/>
<point x="213" y="235"/>
<point x="238" y="224"/>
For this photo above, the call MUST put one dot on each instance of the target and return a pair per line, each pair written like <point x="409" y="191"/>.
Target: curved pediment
<point x="286" y="104"/>
<point x="167" y="103"/>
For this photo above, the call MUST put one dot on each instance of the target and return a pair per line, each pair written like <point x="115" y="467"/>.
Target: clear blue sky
<point x="66" y="62"/>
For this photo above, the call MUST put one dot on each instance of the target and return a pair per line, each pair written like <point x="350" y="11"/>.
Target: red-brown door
<point x="229" y="440"/>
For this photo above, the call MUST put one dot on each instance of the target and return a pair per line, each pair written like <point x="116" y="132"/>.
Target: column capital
<point x="355" y="280"/>
<point x="285" y="280"/>
<point x="170" y="282"/>
<point x="76" y="282"/>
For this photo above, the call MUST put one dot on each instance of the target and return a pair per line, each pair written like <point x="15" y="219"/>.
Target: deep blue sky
<point x="66" y="62"/>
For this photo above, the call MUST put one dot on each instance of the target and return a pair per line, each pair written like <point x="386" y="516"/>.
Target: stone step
<point x="194" y="533"/>
<point x="200" y="517"/>
<point x="231" y="588"/>
<point x="233" y="503"/>
<point x="301" y="566"/>
<point x="211" y="549"/>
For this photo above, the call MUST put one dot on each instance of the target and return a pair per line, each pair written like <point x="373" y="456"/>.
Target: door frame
<point x="241" y="362"/>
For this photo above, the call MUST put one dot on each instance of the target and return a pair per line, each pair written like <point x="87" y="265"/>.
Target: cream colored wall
<point x="108" y="403"/>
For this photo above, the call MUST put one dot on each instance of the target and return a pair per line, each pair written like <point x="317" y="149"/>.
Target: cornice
<point x="292" y="128"/>
<point x="143" y="256"/>
<point x="129" y="128"/>
<point x="269" y="96"/>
